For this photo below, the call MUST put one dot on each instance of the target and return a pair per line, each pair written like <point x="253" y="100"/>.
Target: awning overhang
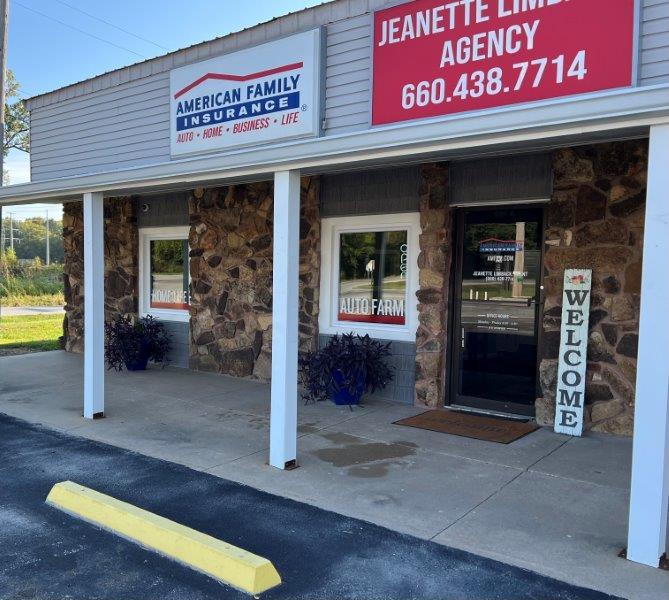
<point x="618" y="114"/>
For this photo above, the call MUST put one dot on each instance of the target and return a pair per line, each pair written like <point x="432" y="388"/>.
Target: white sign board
<point x="262" y="94"/>
<point x="570" y="392"/>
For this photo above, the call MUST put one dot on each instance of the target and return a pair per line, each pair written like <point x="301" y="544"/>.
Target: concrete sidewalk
<point x="24" y="311"/>
<point x="546" y="502"/>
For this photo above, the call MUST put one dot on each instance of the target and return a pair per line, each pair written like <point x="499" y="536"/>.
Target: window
<point x="164" y="276"/>
<point x="370" y="276"/>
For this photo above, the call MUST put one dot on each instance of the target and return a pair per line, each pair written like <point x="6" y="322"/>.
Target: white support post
<point x="283" y="416"/>
<point x="649" y="497"/>
<point x="94" y="306"/>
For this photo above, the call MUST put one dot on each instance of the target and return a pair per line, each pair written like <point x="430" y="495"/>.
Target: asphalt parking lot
<point x="320" y="555"/>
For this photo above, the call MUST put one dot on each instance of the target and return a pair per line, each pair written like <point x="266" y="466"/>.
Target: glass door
<point x="498" y="272"/>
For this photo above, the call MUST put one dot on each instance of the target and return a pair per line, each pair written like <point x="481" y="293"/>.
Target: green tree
<point x="9" y="258"/>
<point x="167" y="256"/>
<point x="17" y="119"/>
<point x="30" y="238"/>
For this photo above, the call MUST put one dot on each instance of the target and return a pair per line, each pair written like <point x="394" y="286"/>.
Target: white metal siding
<point x="654" y="43"/>
<point x="110" y="129"/>
<point x="348" y="74"/>
<point x="121" y="119"/>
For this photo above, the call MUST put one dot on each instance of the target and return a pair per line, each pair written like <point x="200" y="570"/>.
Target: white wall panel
<point x="121" y="119"/>
<point x="654" y="42"/>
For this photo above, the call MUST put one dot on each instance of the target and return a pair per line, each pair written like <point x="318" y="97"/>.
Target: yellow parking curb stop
<point x="227" y="563"/>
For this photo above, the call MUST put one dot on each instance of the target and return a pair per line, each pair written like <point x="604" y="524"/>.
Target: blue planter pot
<point x="340" y="393"/>
<point x="140" y="361"/>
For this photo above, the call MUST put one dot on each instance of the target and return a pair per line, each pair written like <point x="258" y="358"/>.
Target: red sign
<point x="437" y="58"/>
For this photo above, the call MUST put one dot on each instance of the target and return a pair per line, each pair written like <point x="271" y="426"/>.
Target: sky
<point x="53" y="43"/>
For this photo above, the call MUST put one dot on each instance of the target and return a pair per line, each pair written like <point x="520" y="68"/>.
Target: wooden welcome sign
<point x="570" y="392"/>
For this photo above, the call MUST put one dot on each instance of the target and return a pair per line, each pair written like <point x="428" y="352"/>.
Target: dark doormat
<point x="479" y="427"/>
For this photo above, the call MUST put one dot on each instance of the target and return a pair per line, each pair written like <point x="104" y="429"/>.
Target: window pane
<point x="372" y="277"/>
<point x="169" y="274"/>
<point x="500" y="270"/>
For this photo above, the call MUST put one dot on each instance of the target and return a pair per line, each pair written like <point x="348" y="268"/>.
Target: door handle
<point x="462" y="338"/>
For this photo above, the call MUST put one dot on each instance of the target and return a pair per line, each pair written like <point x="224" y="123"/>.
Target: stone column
<point x="121" y="258"/>
<point x="434" y="262"/>
<point x="310" y="262"/>
<point x="121" y="266"/>
<point x="231" y="276"/>
<point x="595" y="220"/>
<point x="73" y="276"/>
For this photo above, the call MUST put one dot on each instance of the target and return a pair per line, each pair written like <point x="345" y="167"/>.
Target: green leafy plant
<point x="349" y="366"/>
<point x="131" y="344"/>
<point x="25" y="282"/>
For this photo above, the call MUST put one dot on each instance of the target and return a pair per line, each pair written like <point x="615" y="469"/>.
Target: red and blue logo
<point x="493" y="245"/>
<point x="257" y="94"/>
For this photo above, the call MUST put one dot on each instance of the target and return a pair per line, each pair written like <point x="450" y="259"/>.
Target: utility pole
<point x="48" y="254"/>
<point x="11" y="232"/>
<point x="4" y="19"/>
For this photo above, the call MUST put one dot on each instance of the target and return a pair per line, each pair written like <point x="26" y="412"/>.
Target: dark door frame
<point x="454" y="327"/>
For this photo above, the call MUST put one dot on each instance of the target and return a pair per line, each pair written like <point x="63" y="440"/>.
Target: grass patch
<point x="30" y="300"/>
<point x="32" y="333"/>
<point x="30" y="283"/>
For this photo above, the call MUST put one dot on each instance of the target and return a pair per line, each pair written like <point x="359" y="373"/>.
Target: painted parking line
<point x="227" y="563"/>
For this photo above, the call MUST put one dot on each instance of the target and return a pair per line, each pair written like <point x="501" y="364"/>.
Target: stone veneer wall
<point x="434" y="262"/>
<point x="231" y="277"/>
<point x="73" y="276"/>
<point x="121" y="266"/>
<point x="595" y="220"/>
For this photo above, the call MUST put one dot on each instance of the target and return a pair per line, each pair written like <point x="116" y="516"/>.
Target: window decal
<point x="372" y="277"/>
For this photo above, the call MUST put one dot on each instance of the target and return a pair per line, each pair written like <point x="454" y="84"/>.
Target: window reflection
<point x="500" y="261"/>
<point x="500" y="267"/>
<point x="169" y="274"/>
<point x="372" y="277"/>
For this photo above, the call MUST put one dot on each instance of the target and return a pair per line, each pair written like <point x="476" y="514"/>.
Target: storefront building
<point x="422" y="172"/>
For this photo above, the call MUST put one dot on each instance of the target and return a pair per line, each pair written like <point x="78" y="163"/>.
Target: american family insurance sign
<point x="265" y="93"/>
<point x="438" y="58"/>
